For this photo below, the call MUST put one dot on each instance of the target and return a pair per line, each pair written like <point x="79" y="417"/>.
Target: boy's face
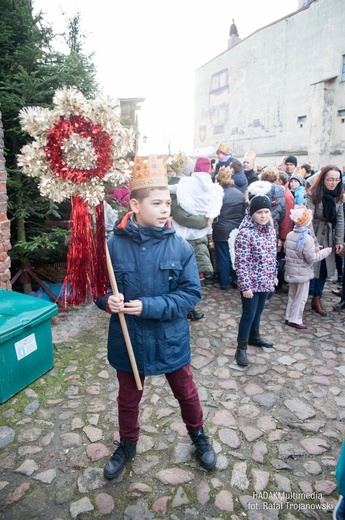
<point x="153" y="210"/>
<point x="294" y="184"/>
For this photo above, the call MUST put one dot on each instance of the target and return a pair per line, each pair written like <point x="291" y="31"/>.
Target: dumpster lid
<point x="18" y="311"/>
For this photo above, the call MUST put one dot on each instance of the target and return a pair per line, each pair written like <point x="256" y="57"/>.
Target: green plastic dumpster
<point x="26" y="346"/>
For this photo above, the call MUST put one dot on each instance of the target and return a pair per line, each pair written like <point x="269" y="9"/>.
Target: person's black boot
<point x="195" y="315"/>
<point x="241" y="353"/>
<point x="204" y="449"/>
<point x="125" y="452"/>
<point x="256" y="340"/>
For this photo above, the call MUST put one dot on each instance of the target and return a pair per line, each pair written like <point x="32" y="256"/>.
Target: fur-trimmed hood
<point x="257" y="188"/>
<point x="264" y="188"/>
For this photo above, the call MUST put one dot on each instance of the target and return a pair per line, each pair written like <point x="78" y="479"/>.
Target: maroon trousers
<point x="184" y="389"/>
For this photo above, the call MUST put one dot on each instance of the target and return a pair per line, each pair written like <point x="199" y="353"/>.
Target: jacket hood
<point x="276" y="191"/>
<point x="128" y="226"/>
<point x="257" y="188"/>
<point x="264" y="188"/>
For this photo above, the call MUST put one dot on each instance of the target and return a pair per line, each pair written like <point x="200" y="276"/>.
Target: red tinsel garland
<point x="86" y="251"/>
<point x="101" y="140"/>
<point x="80" y="256"/>
<point x="75" y="154"/>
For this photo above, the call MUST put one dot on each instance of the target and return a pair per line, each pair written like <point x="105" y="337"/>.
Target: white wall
<point x="252" y="95"/>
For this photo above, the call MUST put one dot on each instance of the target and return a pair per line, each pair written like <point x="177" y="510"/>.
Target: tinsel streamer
<point x="101" y="277"/>
<point x="80" y="266"/>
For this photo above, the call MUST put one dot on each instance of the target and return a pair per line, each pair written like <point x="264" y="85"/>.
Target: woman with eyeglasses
<point x="325" y="199"/>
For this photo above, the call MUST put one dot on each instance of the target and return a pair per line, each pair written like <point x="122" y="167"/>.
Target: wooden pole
<point x="123" y="321"/>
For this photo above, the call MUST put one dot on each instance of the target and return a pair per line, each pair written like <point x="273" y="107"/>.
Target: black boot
<point x="195" y="315"/>
<point x="125" y="452"/>
<point x="241" y="353"/>
<point x="204" y="449"/>
<point x="256" y="340"/>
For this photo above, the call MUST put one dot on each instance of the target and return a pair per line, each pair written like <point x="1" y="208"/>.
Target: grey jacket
<point x="325" y="235"/>
<point x="299" y="265"/>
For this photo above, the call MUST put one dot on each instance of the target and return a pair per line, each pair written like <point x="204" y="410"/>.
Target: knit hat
<point x="291" y="159"/>
<point x="298" y="178"/>
<point x="224" y="149"/>
<point x="302" y="217"/>
<point x="259" y="202"/>
<point x="202" y="164"/>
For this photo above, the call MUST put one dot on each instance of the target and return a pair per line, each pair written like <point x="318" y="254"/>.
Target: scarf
<point x="329" y="207"/>
<point x="304" y="232"/>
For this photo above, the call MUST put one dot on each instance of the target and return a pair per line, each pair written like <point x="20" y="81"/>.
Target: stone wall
<point x="5" y="244"/>
<point x="280" y="91"/>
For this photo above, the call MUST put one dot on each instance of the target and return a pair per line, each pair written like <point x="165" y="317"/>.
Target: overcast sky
<point x="147" y="49"/>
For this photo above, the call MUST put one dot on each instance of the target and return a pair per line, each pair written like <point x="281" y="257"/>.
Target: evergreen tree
<point x="30" y="73"/>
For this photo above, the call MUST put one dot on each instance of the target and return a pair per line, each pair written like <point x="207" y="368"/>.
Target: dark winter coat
<point x="221" y="164"/>
<point x="252" y="176"/>
<point x="240" y="181"/>
<point x="255" y="256"/>
<point x="231" y="214"/>
<point x="158" y="267"/>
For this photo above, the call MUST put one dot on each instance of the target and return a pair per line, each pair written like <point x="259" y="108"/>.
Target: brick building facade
<point x="5" y="244"/>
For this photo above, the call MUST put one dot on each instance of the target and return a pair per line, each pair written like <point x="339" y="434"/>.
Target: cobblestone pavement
<point x="277" y="426"/>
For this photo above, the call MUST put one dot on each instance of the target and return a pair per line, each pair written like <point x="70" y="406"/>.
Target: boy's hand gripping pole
<point x="123" y="321"/>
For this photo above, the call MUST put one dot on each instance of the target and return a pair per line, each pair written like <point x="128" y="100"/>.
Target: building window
<point x="301" y="120"/>
<point x="341" y="114"/>
<point x="343" y="69"/>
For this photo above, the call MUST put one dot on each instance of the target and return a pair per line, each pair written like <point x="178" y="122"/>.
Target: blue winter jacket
<point x="299" y="196"/>
<point x="158" y="267"/>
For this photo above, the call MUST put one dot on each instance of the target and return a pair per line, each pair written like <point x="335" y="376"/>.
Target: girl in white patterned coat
<point x="301" y="255"/>
<point x="256" y="268"/>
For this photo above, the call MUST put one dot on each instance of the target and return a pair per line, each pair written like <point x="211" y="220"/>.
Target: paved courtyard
<point x="277" y="426"/>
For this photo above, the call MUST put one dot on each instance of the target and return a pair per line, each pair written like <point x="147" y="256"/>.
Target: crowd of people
<point x="288" y="187"/>
<point x="211" y="202"/>
<point x="225" y="223"/>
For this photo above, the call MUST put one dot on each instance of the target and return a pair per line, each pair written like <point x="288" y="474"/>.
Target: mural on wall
<point x="219" y="101"/>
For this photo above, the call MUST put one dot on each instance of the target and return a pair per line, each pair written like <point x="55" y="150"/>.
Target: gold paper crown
<point x="250" y="156"/>
<point x="300" y="171"/>
<point x="179" y="162"/>
<point x="223" y="148"/>
<point x="224" y="176"/>
<point x="149" y="174"/>
<point x="301" y="216"/>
